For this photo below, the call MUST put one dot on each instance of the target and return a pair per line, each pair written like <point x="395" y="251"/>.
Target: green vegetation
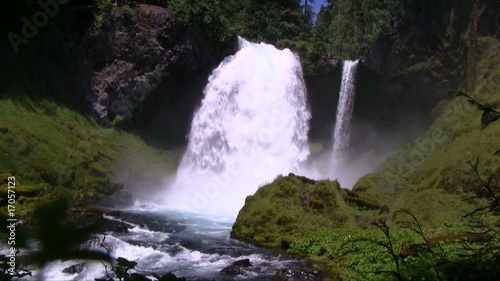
<point x="335" y="227"/>
<point x="431" y="213"/>
<point x="54" y="151"/>
<point x="437" y="158"/>
<point x="450" y="227"/>
<point x="416" y="35"/>
<point x="101" y="10"/>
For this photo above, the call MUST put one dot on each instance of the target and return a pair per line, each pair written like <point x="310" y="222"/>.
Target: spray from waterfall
<point x="252" y="126"/>
<point x="344" y="110"/>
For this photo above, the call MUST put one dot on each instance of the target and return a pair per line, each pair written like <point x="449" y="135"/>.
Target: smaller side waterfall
<point x="344" y="109"/>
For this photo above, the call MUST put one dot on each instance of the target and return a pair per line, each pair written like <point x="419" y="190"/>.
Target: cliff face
<point x="323" y="89"/>
<point x="141" y="70"/>
<point x="145" y="72"/>
<point x="135" y="52"/>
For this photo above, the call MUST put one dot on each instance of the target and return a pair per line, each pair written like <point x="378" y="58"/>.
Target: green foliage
<point x="52" y="151"/>
<point x="348" y="29"/>
<point x="436" y="159"/>
<point x="449" y="228"/>
<point x="276" y="22"/>
<point x="284" y="23"/>
<point x="210" y="18"/>
<point x="286" y="212"/>
<point x="101" y="10"/>
<point x="117" y="120"/>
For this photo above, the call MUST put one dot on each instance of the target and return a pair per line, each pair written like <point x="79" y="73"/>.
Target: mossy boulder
<point x="359" y="200"/>
<point x="365" y="182"/>
<point x="280" y="212"/>
<point x="97" y="169"/>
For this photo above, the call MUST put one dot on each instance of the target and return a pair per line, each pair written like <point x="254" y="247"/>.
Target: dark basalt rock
<point x="235" y="267"/>
<point x="74" y="269"/>
<point x="291" y="274"/>
<point x="79" y="217"/>
<point x="231" y="270"/>
<point x="242" y="263"/>
<point x="138" y="49"/>
<point x="169" y="277"/>
<point x="119" y="199"/>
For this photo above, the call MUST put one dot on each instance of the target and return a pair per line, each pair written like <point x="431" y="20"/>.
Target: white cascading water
<point x="344" y="110"/>
<point x="252" y="126"/>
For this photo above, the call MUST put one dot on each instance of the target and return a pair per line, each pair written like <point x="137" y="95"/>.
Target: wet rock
<point x="231" y="270"/>
<point x="79" y="217"/>
<point x="138" y="49"/>
<point x="242" y="263"/>
<point x="292" y="275"/>
<point x="114" y="213"/>
<point x="138" y="277"/>
<point x="280" y="275"/>
<point x="74" y="269"/>
<point x="170" y="277"/>
<point x="119" y="199"/>
<point x="235" y="267"/>
<point x="114" y="226"/>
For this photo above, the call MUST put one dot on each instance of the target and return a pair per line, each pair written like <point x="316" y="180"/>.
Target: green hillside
<point x="409" y="220"/>
<point x="52" y="150"/>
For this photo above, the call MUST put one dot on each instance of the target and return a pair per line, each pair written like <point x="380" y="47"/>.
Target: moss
<point x="290" y="206"/>
<point x="365" y="182"/>
<point x="426" y="178"/>
<point x="438" y="158"/>
<point x="97" y="169"/>
<point x="52" y="150"/>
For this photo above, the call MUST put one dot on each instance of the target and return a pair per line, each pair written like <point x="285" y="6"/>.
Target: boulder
<point x="235" y="267"/>
<point x="74" y="269"/>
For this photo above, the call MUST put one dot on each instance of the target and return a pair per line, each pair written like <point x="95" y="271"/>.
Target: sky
<point x="317" y="6"/>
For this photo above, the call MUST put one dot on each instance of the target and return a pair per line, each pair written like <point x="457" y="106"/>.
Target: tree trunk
<point x="472" y="54"/>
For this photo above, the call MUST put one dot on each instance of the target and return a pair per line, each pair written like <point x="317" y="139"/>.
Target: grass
<point x="52" y="150"/>
<point x="309" y="206"/>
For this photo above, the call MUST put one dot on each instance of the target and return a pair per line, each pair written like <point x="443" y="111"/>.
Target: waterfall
<point x="252" y="126"/>
<point x="344" y="110"/>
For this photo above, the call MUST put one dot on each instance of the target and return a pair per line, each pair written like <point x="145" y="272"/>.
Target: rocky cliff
<point x="140" y="69"/>
<point x="137" y="50"/>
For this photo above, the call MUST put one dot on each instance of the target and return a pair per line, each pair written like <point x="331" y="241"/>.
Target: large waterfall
<point x="344" y="109"/>
<point x="252" y="125"/>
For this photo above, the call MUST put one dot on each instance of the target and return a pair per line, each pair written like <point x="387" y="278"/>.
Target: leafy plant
<point x="101" y="10"/>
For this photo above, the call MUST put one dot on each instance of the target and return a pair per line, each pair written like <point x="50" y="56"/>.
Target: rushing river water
<point x="187" y="245"/>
